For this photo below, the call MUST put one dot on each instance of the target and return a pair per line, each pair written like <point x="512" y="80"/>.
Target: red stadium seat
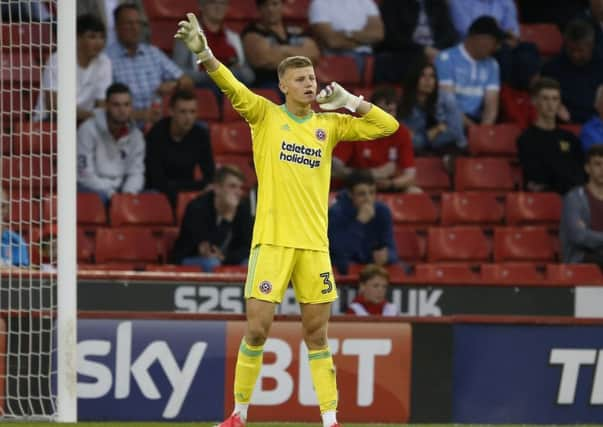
<point x="207" y="105"/>
<point x="169" y="235"/>
<point x="533" y="208"/>
<point x="245" y="163"/>
<point x="172" y="268"/>
<point x="34" y="138"/>
<point x="231" y="138"/>
<point x="511" y="272"/>
<point x="165" y="9"/>
<point x="295" y="10"/>
<point x="229" y="114"/>
<point x="34" y="173"/>
<point x="7" y="146"/>
<point x="431" y="174"/>
<point x="574" y="273"/>
<point x="233" y="269"/>
<point x="442" y="271"/>
<point x="162" y="33"/>
<point x="23" y="214"/>
<point x="340" y="69"/>
<point x="471" y="208"/>
<point x="410" y="208"/>
<point x="112" y="266"/>
<point x="485" y="174"/>
<point x="90" y="210"/>
<point x="546" y="36"/>
<point x="22" y="36"/>
<point x="493" y="140"/>
<point x="140" y="209"/>
<point x="182" y="201"/>
<point x="574" y="128"/>
<point x="242" y="10"/>
<point x="15" y="103"/>
<point x="127" y="245"/>
<point x="18" y="69"/>
<point x="467" y="244"/>
<point x="85" y="245"/>
<point x="523" y="244"/>
<point x="409" y="245"/>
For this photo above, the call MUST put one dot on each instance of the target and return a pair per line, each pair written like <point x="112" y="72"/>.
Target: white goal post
<point x="38" y="289"/>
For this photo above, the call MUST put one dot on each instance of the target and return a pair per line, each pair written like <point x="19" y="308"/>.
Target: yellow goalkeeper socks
<point x="323" y="377"/>
<point x="249" y="363"/>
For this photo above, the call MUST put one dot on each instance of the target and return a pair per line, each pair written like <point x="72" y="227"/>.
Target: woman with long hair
<point x="432" y="115"/>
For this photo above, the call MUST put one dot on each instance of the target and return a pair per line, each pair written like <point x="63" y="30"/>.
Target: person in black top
<point x="175" y="145"/>
<point x="578" y="69"/>
<point x="551" y="158"/>
<point x="217" y="226"/>
<point x="268" y="41"/>
<point x="413" y="29"/>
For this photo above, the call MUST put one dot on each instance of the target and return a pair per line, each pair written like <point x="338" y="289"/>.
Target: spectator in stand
<point x="145" y="69"/>
<point x="346" y="27"/>
<point x="516" y="59"/>
<point x="389" y="160"/>
<point x="217" y="225"/>
<point x="592" y="131"/>
<point x="581" y="229"/>
<point x="13" y="247"/>
<point x="554" y="11"/>
<point x="175" y="145"/>
<point x="594" y="14"/>
<point x="103" y="9"/>
<point x="469" y="71"/>
<point x="110" y="148"/>
<point x="268" y="41"/>
<point x="225" y="44"/>
<point x="360" y="227"/>
<point x="93" y="72"/>
<point x="414" y="29"/>
<point x="578" y="70"/>
<point x="431" y="114"/>
<point x="372" y="293"/>
<point x="551" y="158"/>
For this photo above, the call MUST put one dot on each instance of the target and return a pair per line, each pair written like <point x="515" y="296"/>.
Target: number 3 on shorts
<point x="327" y="282"/>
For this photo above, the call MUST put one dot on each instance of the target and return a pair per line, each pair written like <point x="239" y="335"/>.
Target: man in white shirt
<point x="94" y="73"/>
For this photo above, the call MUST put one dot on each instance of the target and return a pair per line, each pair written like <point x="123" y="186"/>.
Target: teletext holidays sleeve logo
<point x="295" y="153"/>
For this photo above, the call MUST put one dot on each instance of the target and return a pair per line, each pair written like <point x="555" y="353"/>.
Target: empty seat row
<point x="471" y="244"/>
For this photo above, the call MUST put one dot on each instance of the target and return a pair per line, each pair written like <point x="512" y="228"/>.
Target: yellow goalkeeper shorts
<point x="271" y="268"/>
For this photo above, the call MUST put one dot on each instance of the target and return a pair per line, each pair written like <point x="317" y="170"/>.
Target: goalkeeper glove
<point x="192" y="35"/>
<point x="334" y="97"/>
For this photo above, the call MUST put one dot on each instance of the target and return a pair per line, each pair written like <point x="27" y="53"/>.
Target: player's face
<point x="271" y="12"/>
<point x="129" y="27"/>
<point x="547" y="103"/>
<point x="184" y="114"/>
<point x="427" y="81"/>
<point x="299" y="84"/>
<point x="374" y="289"/>
<point x="594" y="169"/>
<point x="363" y="194"/>
<point x="119" y="108"/>
<point x="91" y="43"/>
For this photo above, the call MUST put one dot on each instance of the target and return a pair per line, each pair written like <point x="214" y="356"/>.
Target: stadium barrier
<point x="453" y="369"/>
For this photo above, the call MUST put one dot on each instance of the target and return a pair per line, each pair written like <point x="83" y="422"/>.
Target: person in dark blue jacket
<point x="360" y="227"/>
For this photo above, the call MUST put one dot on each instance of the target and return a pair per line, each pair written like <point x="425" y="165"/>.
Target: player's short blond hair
<point x="293" y="62"/>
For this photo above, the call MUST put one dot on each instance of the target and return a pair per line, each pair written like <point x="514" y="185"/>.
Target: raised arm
<point x="247" y="103"/>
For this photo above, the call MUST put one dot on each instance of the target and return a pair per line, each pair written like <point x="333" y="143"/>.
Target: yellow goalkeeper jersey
<point x="292" y="157"/>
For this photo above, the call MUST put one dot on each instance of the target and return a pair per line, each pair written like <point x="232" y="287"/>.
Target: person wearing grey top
<point x="581" y="228"/>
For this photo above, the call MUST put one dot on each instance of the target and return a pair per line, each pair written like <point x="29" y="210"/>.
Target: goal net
<point x="29" y="297"/>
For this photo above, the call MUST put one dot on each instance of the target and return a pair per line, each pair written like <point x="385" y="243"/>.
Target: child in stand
<point x="372" y="290"/>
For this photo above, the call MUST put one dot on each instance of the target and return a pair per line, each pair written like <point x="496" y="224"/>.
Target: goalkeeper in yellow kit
<point x="292" y="148"/>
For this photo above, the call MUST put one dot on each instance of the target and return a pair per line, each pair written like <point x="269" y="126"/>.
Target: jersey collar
<point x="297" y="118"/>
